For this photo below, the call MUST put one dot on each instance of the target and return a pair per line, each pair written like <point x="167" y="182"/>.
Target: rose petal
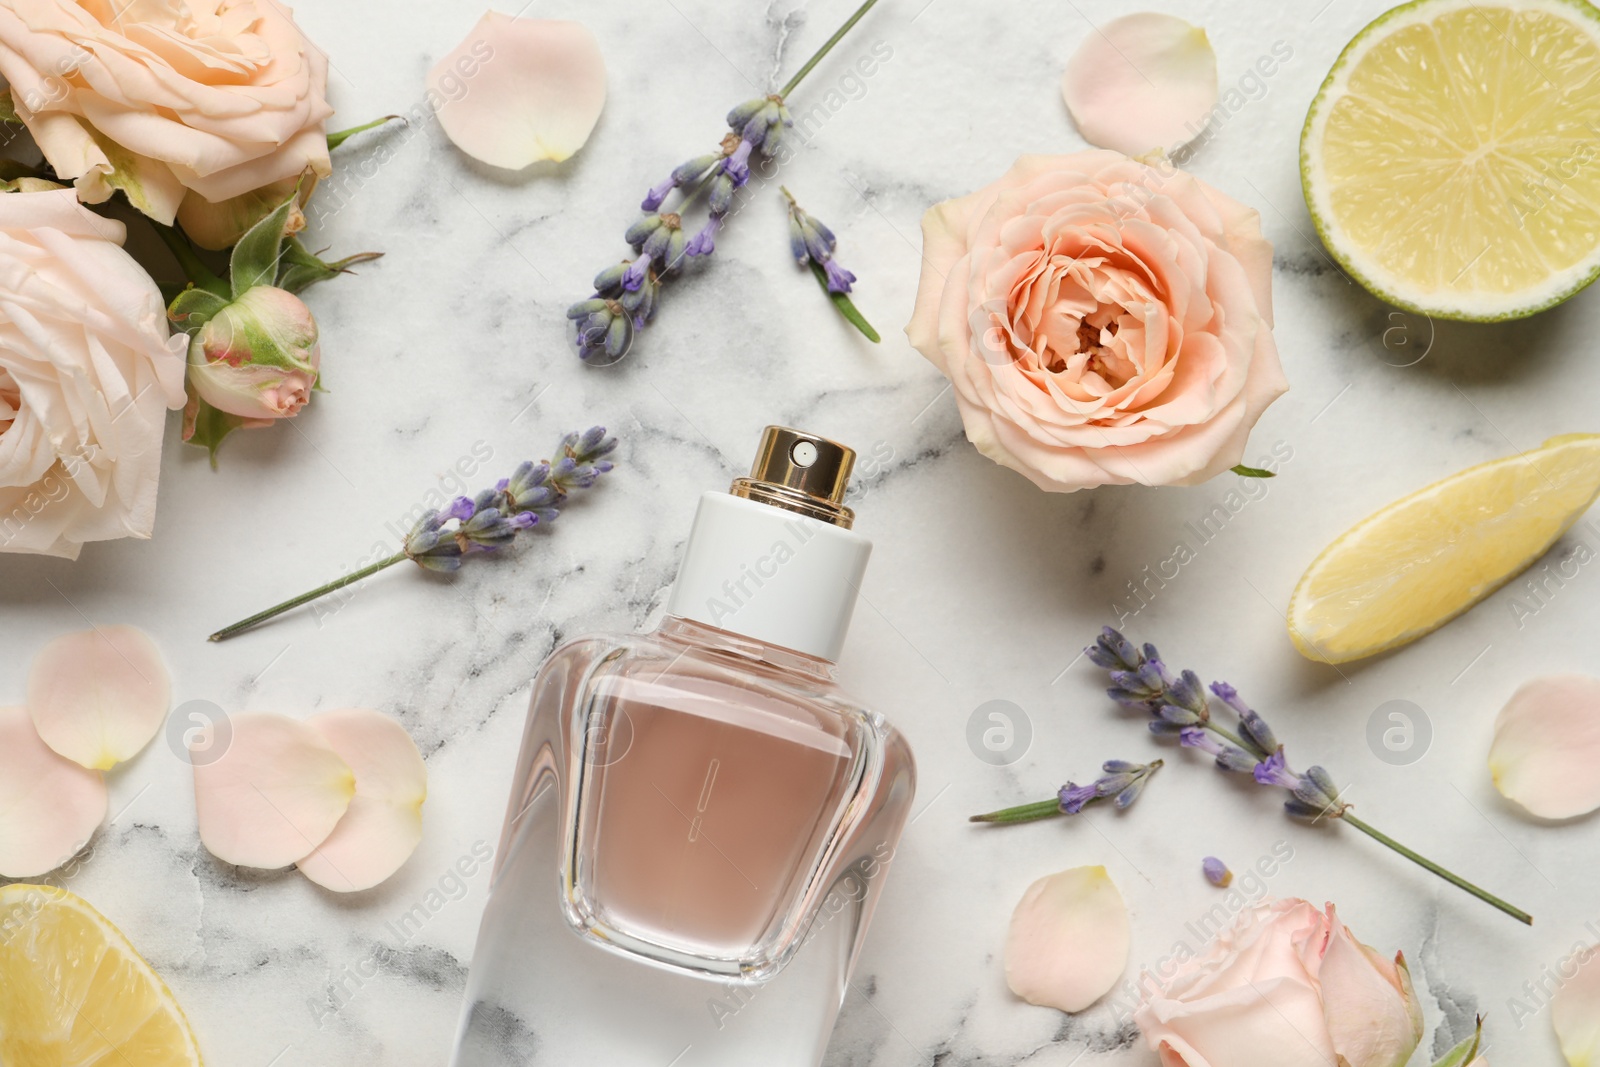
<point x="1142" y="82"/>
<point x="1575" y="1011"/>
<point x="384" y="823"/>
<point x="1068" y="942"/>
<point x="1372" y="1012"/>
<point x="520" y="90"/>
<point x="49" y="806"/>
<point x="98" y="696"/>
<point x="1546" y="750"/>
<point x="274" y="795"/>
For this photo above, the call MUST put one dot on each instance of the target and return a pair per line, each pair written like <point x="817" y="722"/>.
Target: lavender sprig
<point x="1179" y="706"/>
<point x="1121" y="783"/>
<point x="812" y="244"/>
<point x="626" y="296"/>
<point x="533" y="495"/>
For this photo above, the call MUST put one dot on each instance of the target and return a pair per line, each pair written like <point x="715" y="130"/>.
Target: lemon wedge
<point x="1418" y="563"/>
<point x="1451" y="161"/>
<point x="73" y="992"/>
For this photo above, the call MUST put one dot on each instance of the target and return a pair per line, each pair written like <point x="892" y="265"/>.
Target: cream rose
<point x="87" y="371"/>
<point x="185" y="105"/>
<point x="1288" y="986"/>
<point x="1101" y="321"/>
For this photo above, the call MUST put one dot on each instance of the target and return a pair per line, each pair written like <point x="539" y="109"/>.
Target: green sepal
<point x="193" y="308"/>
<point x="256" y="257"/>
<point x="300" y="269"/>
<point x="339" y="137"/>
<point x="1252" y="472"/>
<point x="846" y="307"/>
<point x="1465" y="1052"/>
<point x="210" y="424"/>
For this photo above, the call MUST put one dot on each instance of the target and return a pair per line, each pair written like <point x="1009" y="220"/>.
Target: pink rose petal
<point x="1142" y="82"/>
<point x="49" y="806"/>
<point x="274" y="795"/>
<point x="98" y="696"/>
<point x="384" y="823"/>
<point x="1068" y="942"/>
<point x="520" y="90"/>
<point x="1546" y="750"/>
<point x="1575" y="1011"/>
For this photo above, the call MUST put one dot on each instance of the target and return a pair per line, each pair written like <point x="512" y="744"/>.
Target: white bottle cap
<point x="775" y="560"/>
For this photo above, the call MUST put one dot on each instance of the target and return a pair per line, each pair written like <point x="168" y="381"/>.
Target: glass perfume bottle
<point x="700" y="821"/>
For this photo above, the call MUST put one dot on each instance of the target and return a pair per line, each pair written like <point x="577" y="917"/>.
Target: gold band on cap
<point x="800" y="472"/>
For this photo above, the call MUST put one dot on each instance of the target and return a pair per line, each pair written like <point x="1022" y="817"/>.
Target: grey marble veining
<point x="982" y="588"/>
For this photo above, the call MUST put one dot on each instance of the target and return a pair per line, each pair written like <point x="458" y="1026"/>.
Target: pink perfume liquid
<point x="701" y="834"/>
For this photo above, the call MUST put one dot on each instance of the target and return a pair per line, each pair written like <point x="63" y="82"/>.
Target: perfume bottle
<point x="700" y="821"/>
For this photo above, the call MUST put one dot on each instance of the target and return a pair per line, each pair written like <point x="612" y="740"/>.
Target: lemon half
<point x="1451" y="161"/>
<point x="1418" y="563"/>
<point x="73" y="991"/>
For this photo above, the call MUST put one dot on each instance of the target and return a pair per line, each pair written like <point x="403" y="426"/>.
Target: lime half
<point x="1451" y="161"/>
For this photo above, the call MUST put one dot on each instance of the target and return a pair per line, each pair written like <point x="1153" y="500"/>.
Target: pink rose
<point x="1101" y="321"/>
<point x="1288" y="986"/>
<point x="175" y="103"/>
<point x="258" y="357"/>
<point x="87" y="371"/>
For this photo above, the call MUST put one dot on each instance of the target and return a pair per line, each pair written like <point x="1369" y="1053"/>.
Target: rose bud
<point x="257" y="357"/>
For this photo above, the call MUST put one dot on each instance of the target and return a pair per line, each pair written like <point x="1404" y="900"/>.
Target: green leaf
<point x="193" y="308"/>
<point x="301" y="269"/>
<point x="1252" y="472"/>
<point x="8" y="108"/>
<point x="1465" y="1052"/>
<point x="340" y="137"/>
<point x="255" y="258"/>
<point x="208" y="425"/>
<point x="1043" y="809"/>
<point x="845" y="306"/>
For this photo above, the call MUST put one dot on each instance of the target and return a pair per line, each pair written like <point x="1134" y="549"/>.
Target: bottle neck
<point x="688" y="632"/>
<point x="770" y="575"/>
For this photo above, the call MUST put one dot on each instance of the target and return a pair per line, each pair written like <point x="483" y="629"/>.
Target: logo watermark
<point x="999" y="732"/>
<point x="1399" y="732"/>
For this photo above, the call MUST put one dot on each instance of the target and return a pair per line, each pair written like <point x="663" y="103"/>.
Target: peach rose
<point x="1101" y="321"/>
<point x="258" y="357"/>
<point x="185" y="106"/>
<point x="87" y="371"/>
<point x="1288" y="986"/>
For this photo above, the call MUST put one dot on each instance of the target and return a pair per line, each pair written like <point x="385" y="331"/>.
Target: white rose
<point x="87" y="371"/>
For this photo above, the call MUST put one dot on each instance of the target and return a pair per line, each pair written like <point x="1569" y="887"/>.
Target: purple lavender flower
<point x="660" y="240"/>
<point x="430" y="547"/>
<point x="1229" y="757"/>
<point x="1274" y="770"/>
<point x="1253" y="725"/>
<point x="1179" y="706"/>
<point x="1074" y="797"/>
<point x="1113" y="652"/>
<point x="1122" y="782"/>
<point x="839" y="280"/>
<point x="532" y="494"/>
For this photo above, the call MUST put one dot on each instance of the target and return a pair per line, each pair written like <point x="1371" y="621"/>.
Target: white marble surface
<point x="982" y="587"/>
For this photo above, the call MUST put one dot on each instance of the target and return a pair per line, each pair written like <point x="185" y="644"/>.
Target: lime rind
<point x="1470" y="306"/>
